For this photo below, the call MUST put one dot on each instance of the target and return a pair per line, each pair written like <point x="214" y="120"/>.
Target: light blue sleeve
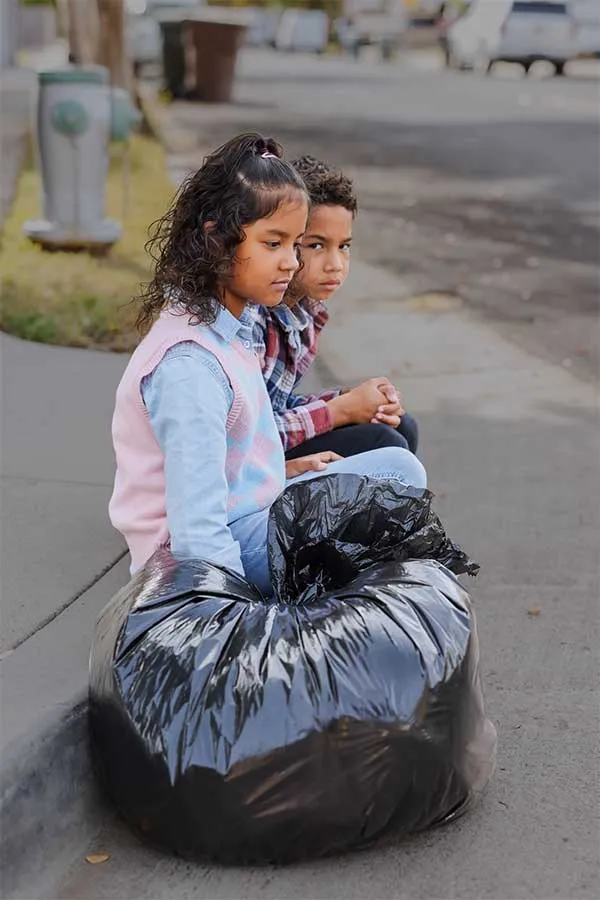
<point x="188" y="397"/>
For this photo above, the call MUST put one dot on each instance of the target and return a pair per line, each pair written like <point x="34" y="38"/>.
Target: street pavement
<point x="509" y="438"/>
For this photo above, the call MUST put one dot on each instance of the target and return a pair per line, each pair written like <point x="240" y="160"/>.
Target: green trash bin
<point x="173" y="55"/>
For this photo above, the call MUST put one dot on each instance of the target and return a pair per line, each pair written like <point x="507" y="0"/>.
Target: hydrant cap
<point x="75" y="75"/>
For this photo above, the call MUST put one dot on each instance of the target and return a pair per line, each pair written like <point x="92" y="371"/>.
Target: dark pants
<point x="352" y="439"/>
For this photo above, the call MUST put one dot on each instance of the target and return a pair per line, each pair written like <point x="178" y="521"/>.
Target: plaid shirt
<point x="285" y="341"/>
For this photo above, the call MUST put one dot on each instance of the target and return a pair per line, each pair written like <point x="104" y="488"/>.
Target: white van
<point x="303" y="29"/>
<point x="521" y="31"/>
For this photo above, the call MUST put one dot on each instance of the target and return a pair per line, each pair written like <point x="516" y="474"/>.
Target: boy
<point x="346" y="421"/>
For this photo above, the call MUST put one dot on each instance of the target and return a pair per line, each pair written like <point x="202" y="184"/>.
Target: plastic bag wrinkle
<point x="320" y="537"/>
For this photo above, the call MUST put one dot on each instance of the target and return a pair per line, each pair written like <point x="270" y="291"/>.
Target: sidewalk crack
<point x="34" y="479"/>
<point x="86" y="587"/>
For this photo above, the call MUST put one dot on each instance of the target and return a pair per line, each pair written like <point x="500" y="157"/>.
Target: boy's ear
<point x="213" y="241"/>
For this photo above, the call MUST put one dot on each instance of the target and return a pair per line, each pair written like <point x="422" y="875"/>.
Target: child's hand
<point x="316" y="462"/>
<point x="361" y="404"/>
<point x="389" y="413"/>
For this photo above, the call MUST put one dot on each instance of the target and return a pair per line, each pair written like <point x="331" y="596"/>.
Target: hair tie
<point x="267" y="155"/>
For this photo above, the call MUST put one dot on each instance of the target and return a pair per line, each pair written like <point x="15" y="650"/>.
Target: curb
<point x="160" y="123"/>
<point x="50" y="805"/>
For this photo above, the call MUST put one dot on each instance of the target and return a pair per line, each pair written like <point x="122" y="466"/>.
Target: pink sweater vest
<point x="137" y="507"/>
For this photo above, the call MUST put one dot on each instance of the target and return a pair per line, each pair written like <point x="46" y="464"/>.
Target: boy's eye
<point x="314" y="246"/>
<point x="347" y="247"/>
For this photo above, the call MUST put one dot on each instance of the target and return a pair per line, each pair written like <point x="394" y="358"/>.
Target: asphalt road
<point x="487" y="187"/>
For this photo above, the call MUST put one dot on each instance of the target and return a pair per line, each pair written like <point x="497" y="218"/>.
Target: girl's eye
<point x="273" y="244"/>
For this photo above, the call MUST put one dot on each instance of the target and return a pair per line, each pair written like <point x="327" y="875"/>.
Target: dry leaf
<point x="95" y="858"/>
<point x="534" y="611"/>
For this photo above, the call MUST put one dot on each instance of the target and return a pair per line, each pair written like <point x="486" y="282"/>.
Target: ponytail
<point x="195" y="243"/>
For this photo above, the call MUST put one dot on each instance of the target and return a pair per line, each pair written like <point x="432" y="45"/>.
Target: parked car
<point x="303" y="29"/>
<point x="520" y="31"/>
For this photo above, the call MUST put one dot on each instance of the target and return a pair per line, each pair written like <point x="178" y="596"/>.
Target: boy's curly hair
<point x="326" y="185"/>
<point x="194" y="244"/>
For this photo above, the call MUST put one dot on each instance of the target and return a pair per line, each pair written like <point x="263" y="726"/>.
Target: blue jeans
<point x="386" y="462"/>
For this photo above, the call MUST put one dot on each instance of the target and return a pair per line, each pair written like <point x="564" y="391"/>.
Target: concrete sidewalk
<point x="60" y="565"/>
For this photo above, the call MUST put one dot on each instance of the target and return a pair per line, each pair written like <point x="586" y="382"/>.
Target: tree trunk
<point x="112" y="51"/>
<point x="82" y="27"/>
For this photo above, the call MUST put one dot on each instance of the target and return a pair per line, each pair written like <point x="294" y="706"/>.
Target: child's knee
<point x="396" y="462"/>
<point x="417" y="474"/>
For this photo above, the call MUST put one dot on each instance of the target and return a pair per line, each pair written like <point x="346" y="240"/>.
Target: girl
<point x="286" y="338"/>
<point x="199" y="459"/>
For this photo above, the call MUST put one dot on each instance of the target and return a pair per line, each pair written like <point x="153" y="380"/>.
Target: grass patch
<point x="74" y="298"/>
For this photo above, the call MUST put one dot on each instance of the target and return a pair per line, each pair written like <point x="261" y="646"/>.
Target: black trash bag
<point x="321" y="539"/>
<point x="247" y="731"/>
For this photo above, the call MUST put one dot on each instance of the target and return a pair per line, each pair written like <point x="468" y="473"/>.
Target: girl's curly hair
<point x="326" y="186"/>
<point x="194" y="244"/>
